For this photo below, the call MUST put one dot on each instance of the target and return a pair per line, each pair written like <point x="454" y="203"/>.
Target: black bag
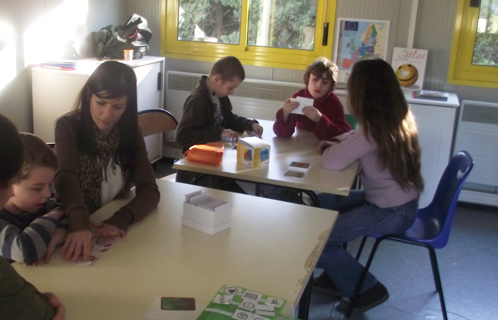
<point x="110" y="42"/>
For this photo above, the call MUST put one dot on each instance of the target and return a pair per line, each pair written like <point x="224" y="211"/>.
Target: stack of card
<point x="202" y="212"/>
<point x="233" y="302"/>
<point x="297" y="169"/>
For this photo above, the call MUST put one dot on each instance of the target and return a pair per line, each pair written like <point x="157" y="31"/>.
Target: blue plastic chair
<point x="432" y="227"/>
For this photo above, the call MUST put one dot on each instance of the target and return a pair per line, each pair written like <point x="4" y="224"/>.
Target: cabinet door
<point x="150" y="95"/>
<point x="435" y="129"/>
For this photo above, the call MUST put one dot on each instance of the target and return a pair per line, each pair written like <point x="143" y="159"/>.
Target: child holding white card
<point x="386" y="144"/>
<point x="325" y="118"/>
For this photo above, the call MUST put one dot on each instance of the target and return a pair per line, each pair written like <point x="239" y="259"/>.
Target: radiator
<point x="256" y="99"/>
<point x="477" y="133"/>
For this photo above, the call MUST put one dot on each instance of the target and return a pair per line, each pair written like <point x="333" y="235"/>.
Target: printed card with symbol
<point x="302" y="103"/>
<point x="243" y="304"/>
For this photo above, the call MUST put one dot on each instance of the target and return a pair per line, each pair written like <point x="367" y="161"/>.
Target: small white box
<point x="207" y="215"/>
<point x="253" y="152"/>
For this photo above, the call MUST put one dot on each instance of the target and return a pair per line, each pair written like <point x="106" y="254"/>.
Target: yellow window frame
<point x="248" y="55"/>
<point x="461" y="69"/>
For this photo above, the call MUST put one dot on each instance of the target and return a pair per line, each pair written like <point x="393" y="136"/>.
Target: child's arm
<point x="346" y="149"/>
<point x="195" y="125"/>
<point x="332" y="121"/>
<point x="24" y="245"/>
<point x="285" y="122"/>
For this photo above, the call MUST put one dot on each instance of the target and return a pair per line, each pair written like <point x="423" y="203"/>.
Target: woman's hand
<point x="107" y="230"/>
<point x="76" y="244"/>
<point x="60" y="310"/>
<point x="257" y="129"/>
<point x="289" y="105"/>
<point x="323" y="145"/>
<point x="312" y="113"/>
<point x="55" y="214"/>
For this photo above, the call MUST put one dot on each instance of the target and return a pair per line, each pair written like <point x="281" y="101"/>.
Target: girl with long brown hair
<point x="386" y="144"/>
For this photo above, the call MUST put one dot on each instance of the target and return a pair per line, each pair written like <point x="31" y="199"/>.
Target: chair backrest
<point x="353" y="122"/>
<point x="152" y="121"/>
<point x="440" y="212"/>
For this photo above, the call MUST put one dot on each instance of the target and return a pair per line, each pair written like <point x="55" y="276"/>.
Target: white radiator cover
<point x="477" y="133"/>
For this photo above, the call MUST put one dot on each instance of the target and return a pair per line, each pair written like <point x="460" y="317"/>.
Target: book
<point x="431" y="94"/>
<point x="409" y="66"/>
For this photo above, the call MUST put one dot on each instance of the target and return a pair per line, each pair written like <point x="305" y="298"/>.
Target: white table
<point x="302" y="147"/>
<point x="161" y="257"/>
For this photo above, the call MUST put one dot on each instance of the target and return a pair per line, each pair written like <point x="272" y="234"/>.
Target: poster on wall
<point x="359" y="39"/>
<point x="409" y="66"/>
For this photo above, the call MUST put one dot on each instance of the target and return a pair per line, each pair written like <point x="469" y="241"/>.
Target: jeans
<point x="358" y="218"/>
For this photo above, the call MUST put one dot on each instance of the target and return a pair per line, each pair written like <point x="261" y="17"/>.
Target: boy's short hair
<point x="228" y="68"/>
<point x="322" y="66"/>
<point x="36" y="154"/>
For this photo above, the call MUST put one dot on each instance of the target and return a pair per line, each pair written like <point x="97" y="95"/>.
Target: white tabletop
<point x="161" y="257"/>
<point x="301" y="147"/>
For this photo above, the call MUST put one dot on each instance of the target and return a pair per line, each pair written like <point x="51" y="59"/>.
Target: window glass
<point x="216" y="21"/>
<point x="286" y="24"/>
<point x="486" y="43"/>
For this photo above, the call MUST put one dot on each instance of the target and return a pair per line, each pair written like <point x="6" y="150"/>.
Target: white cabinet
<point x="436" y="121"/>
<point x="55" y="93"/>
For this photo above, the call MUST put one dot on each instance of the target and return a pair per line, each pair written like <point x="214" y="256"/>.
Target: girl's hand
<point x="107" y="230"/>
<point x="323" y="145"/>
<point x="257" y="129"/>
<point x="289" y="105"/>
<point x="312" y="113"/>
<point x="60" y="310"/>
<point x="76" y="244"/>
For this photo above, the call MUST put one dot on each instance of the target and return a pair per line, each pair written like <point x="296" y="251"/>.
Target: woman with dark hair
<point x="101" y="153"/>
<point x="386" y="144"/>
<point x="18" y="298"/>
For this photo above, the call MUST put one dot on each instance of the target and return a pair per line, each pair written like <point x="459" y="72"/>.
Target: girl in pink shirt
<point x="386" y="144"/>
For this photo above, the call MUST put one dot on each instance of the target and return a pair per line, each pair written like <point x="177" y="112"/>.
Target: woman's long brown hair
<point x="375" y="98"/>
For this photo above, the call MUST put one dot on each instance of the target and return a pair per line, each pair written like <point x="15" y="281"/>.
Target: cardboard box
<point x="206" y="214"/>
<point x="253" y="152"/>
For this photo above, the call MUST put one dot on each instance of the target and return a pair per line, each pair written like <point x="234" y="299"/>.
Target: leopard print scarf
<point x="92" y="167"/>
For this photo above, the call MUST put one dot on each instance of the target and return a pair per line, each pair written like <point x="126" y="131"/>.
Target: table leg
<point x="305" y="301"/>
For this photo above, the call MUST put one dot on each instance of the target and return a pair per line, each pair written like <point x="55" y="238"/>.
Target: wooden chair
<point x="153" y="121"/>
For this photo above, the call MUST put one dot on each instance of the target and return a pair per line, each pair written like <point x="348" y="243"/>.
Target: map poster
<point x="358" y="39"/>
<point x="409" y="66"/>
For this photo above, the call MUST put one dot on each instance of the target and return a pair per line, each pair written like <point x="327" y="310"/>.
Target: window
<point x="474" y="58"/>
<point x="274" y="33"/>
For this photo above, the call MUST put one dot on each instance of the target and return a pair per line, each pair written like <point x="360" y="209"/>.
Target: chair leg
<point x="360" y="249"/>
<point x="363" y="276"/>
<point x="437" y="280"/>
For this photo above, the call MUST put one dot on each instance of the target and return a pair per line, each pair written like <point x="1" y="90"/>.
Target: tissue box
<point x="253" y="152"/>
<point x="205" y="213"/>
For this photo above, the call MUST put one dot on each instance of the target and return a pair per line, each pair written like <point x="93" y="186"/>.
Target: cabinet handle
<point x="159" y="81"/>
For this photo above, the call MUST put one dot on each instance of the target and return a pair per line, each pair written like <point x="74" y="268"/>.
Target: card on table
<point x="168" y="303"/>
<point x="294" y="174"/>
<point x="302" y="103"/>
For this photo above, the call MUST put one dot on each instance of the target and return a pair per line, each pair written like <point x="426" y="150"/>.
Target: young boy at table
<point x="207" y="112"/>
<point x="18" y="298"/>
<point x="325" y="118"/>
<point x="31" y="223"/>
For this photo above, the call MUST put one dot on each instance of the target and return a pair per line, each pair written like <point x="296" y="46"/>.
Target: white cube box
<point x="209" y="215"/>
